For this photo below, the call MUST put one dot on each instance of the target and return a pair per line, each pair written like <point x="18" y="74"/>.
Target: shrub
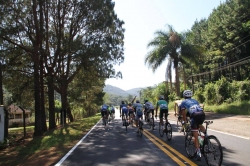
<point x="210" y="94"/>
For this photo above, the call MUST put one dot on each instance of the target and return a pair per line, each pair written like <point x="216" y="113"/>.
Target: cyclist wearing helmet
<point x="138" y="113"/>
<point x="163" y="105"/>
<point x="131" y="111"/>
<point x="149" y="107"/>
<point x="197" y="117"/>
<point x="123" y="111"/>
<point x="104" y="110"/>
<point x="111" y="109"/>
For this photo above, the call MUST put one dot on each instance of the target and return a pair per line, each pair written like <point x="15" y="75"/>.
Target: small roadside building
<point x="16" y="115"/>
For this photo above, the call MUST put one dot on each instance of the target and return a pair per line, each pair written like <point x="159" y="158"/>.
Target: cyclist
<point x="131" y="111"/>
<point x="138" y="107"/>
<point x="111" y="109"/>
<point x="123" y="111"/>
<point x="197" y="117"/>
<point x="163" y="105"/>
<point x="149" y="107"/>
<point x="104" y="110"/>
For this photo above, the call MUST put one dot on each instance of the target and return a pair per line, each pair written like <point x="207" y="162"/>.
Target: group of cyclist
<point x="188" y="107"/>
<point x="107" y="110"/>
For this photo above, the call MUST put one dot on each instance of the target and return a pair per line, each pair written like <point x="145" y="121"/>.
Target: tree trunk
<point x="38" y="123"/>
<point x="6" y="115"/>
<point x="177" y="81"/>
<point x="52" y="123"/>
<point x="64" y="87"/>
<point x="43" y="116"/>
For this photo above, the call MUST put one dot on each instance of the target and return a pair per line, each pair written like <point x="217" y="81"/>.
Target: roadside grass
<point x="62" y="138"/>
<point x="236" y="108"/>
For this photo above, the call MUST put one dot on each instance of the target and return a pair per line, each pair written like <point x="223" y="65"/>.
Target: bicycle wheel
<point x="104" y="120"/>
<point x="213" y="151"/>
<point x="152" y="123"/>
<point x="179" y="125"/>
<point x="161" y="129"/>
<point x="126" y="124"/>
<point x="140" y="128"/>
<point x="169" y="131"/>
<point x="189" y="145"/>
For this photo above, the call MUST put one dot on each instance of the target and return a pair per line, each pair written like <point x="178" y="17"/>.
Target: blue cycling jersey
<point x="191" y="105"/>
<point x="104" y="107"/>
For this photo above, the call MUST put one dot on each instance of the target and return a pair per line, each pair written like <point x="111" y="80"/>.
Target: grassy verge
<point x="237" y="108"/>
<point x="61" y="139"/>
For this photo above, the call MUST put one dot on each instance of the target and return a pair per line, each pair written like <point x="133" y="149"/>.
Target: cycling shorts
<point x="125" y="112"/>
<point x="130" y="112"/>
<point x="138" y="116"/>
<point x="197" y="120"/>
<point x="104" y="112"/>
<point x="163" y="111"/>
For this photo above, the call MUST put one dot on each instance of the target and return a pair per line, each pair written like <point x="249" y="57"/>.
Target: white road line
<point x="230" y="134"/>
<point x="67" y="155"/>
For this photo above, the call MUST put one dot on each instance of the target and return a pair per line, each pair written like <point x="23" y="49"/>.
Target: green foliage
<point x="222" y="87"/>
<point x="210" y="93"/>
<point x="199" y="95"/>
<point x="236" y="107"/>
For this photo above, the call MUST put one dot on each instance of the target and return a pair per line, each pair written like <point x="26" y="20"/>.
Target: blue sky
<point x="142" y="18"/>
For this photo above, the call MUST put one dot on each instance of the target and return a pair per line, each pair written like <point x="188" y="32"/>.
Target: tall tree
<point x="165" y="44"/>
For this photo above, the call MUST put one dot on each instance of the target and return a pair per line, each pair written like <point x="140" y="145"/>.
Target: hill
<point x="120" y="92"/>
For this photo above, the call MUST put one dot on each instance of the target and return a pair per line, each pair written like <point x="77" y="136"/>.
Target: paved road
<point x="114" y="146"/>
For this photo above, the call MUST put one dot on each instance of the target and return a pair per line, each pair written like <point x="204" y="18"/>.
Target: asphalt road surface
<point x="113" y="145"/>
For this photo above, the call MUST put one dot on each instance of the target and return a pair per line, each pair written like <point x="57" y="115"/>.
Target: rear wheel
<point x="213" y="151"/>
<point x="161" y="127"/>
<point x="140" y="128"/>
<point x="104" y="120"/>
<point x="189" y="145"/>
<point x="179" y="125"/>
<point x="169" y="131"/>
<point x="152" y="122"/>
<point x="126" y="124"/>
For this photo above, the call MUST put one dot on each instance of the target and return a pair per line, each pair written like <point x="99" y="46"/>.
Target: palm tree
<point x="166" y="44"/>
<point x="172" y="45"/>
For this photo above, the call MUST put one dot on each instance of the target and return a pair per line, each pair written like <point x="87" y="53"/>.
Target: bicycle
<point x="151" y="120"/>
<point x="131" y="118"/>
<point x="125" y="122"/>
<point x="182" y="127"/>
<point x="112" y="116"/>
<point x="105" y="119"/>
<point x="140" y="123"/>
<point x="210" y="146"/>
<point x="166" y="128"/>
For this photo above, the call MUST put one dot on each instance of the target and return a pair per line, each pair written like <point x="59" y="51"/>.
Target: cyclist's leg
<point x="136" y="120"/>
<point x="161" y="117"/>
<point x="166" y="115"/>
<point x="197" y="118"/>
<point x="148" y="111"/>
<point x="123" y="114"/>
<point x="102" y="112"/>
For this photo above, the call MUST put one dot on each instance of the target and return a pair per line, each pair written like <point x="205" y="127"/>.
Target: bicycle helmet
<point x="146" y="100"/>
<point x="187" y="94"/>
<point x="137" y="101"/>
<point x="123" y="102"/>
<point x="161" y="97"/>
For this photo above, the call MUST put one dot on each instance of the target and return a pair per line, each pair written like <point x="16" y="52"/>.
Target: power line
<point x="233" y="64"/>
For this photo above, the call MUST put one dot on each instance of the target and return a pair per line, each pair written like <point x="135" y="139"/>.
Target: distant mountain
<point x="120" y="92"/>
<point x="134" y="91"/>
